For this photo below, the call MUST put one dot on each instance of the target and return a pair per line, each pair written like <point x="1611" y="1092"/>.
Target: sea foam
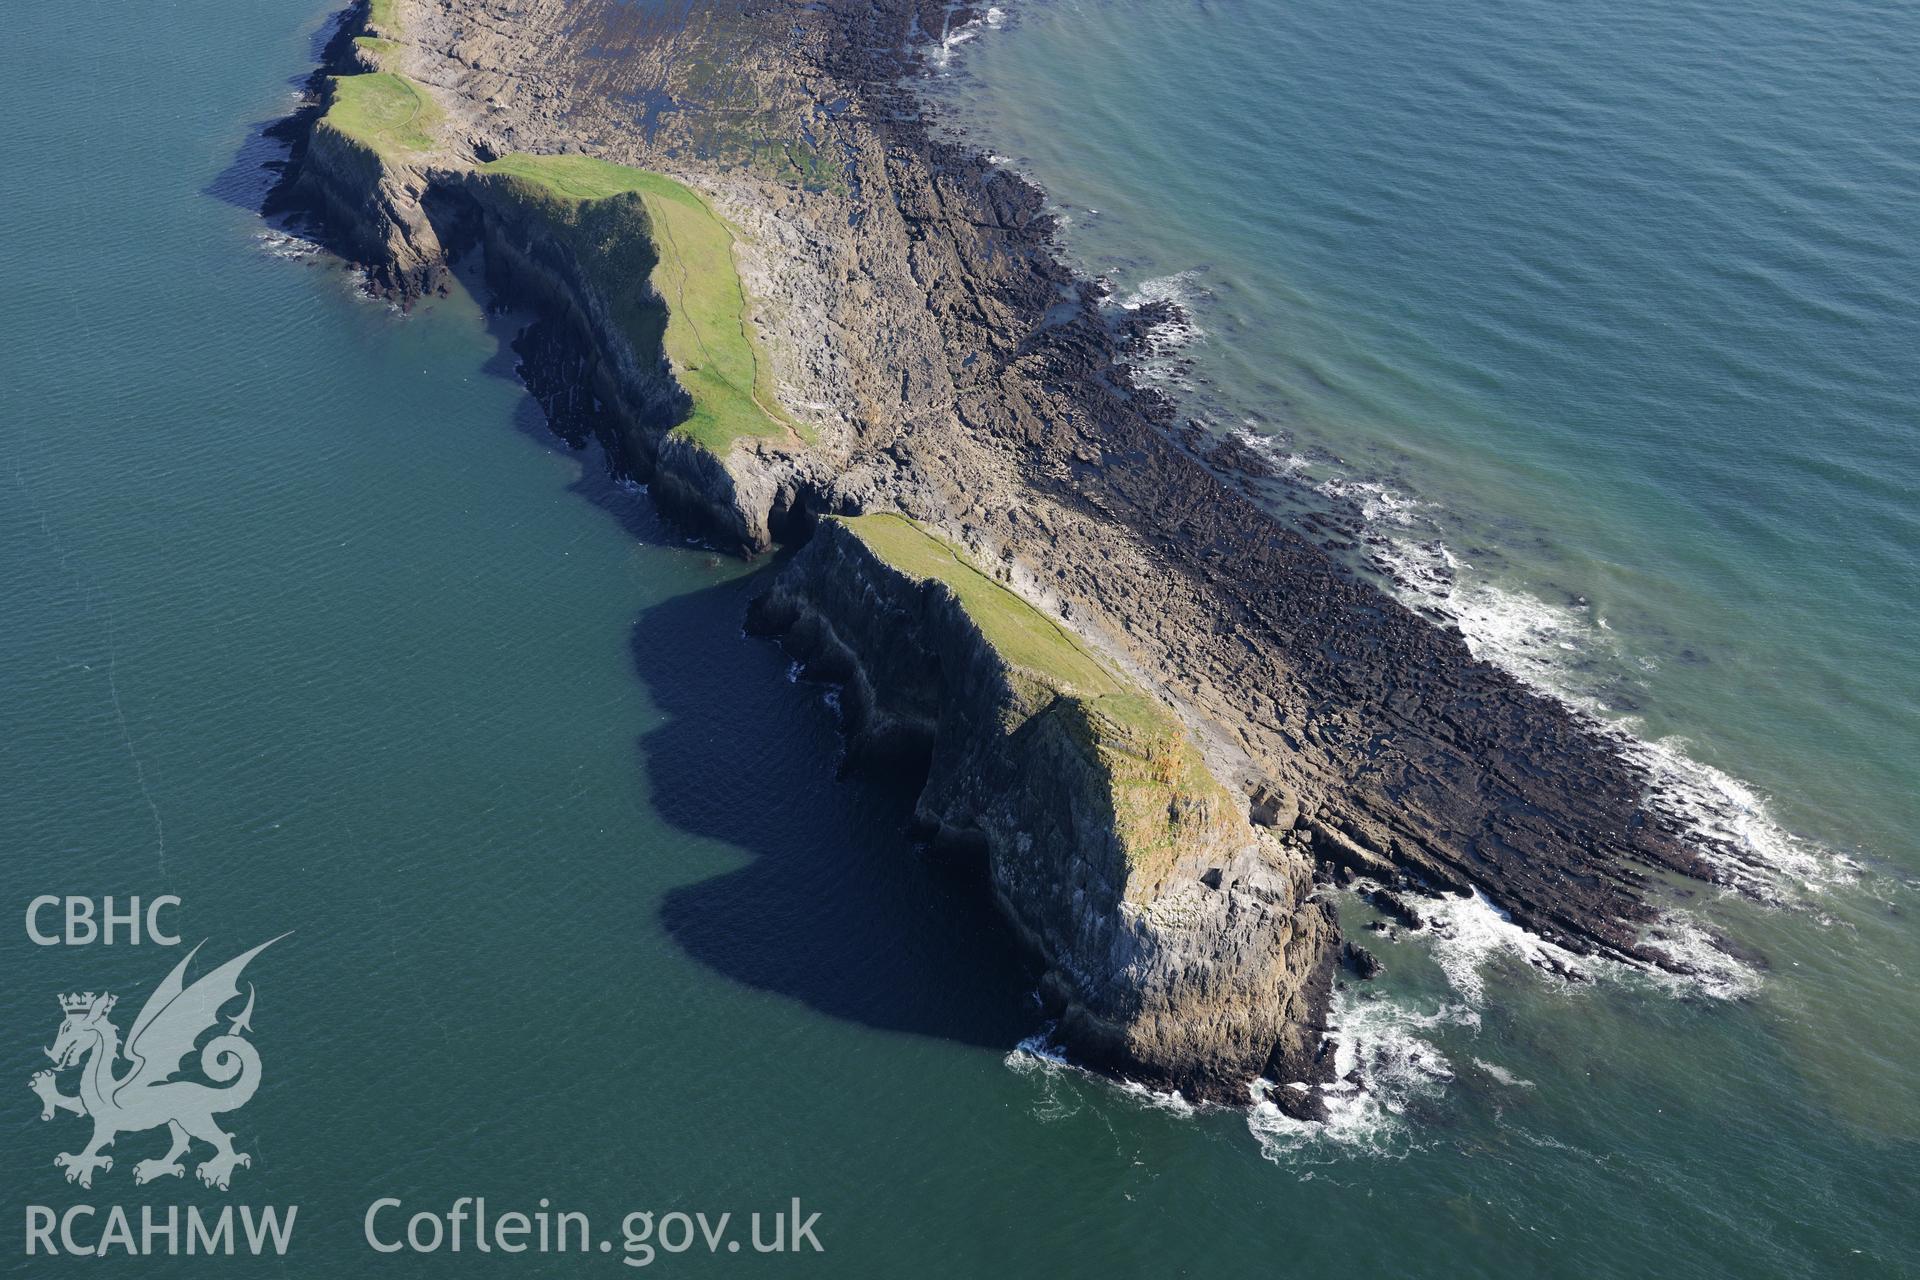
<point x="1565" y="652"/>
<point x="1039" y="1058"/>
<point x="1163" y="360"/>
<point x="1384" y="1065"/>
<point x="993" y="18"/>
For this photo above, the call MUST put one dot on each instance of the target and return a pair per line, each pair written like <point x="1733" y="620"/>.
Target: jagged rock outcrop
<point x="372" y="207"/>
<point x="1183" y="945"/>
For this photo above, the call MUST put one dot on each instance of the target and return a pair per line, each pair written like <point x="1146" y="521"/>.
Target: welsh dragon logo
<point x="146" y="1095"/>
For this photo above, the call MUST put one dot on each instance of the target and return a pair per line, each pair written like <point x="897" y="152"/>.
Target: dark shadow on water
<point x="838" y="908"/>
<point x="254" y="169"/>
<point x="260" y="162"/>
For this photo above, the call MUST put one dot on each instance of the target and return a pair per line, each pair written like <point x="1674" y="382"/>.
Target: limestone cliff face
<point x="1182" y="945"/>
<point x="625" y="386"/>
<point x="372" y="207"/>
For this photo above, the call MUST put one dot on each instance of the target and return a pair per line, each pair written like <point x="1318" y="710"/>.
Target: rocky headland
<point x="1167" y="720"/>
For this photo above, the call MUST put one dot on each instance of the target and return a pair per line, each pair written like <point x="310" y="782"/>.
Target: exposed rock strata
<point x="373" y="208"/>
<point x="405" y="217"/>
<point x="952" y="369"/>
<point x="1182" y="945"/>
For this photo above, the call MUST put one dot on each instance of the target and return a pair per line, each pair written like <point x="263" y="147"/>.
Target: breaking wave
<point x="1284" y="462"/>
<point x="1038" y="1057"/>
<point x="1387" y="1059"/>
<point x="1163" y="359"/>
<point x="1386" y="1062"/>
<point x="278" y="243"/>
<point x="1566" y="651"/>
<point x="1501" y="1075"/>
<point x="1468" y="934"/>
<point x="992" y="18"/>
<point x="1384" y="1066"/>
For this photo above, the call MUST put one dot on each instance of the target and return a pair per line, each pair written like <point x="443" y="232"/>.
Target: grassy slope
<point x="1162" y="794"/>
<point x="1023" y="635"/>
<point x="708" y="336"/>
<point x="386" y="112"/>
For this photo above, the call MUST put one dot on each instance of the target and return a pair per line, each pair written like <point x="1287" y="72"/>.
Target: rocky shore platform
<point x="1169" y="721"/>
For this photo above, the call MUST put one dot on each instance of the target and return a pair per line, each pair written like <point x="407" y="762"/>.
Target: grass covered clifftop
<point x="1182" y="945"/>
<point x="639" y="238"/>
<point x="383" y="16"/>
<point x="634" y="271"/>
<point x="371" y="153"/>
<point x="629" y="226"/>
<point x="1023" y="635"/>
<point x="1163" y="798"/>
<point x="379" y="26"/>
<point x="379" y="108"/>
<point x="385" y="112"/>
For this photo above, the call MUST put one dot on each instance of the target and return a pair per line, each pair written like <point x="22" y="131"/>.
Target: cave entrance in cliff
<point x="791" y="519"/>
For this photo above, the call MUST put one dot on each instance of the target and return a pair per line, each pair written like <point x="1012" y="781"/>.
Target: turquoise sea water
<point x="1604" y="317"/>
<point x="304" y="619"/>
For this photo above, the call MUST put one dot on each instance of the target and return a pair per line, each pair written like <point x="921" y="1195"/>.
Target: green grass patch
<point x="1022" y="634"/>
<point x="1163" y="798"/>
<point x="383" y="15"/>
<point x="708" y="336"/>
<point x="387" y="112"/>
<point x="376" y="46"/>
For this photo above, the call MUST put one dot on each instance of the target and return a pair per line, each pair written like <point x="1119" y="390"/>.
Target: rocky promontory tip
<point x="1183" y="946"/>
<point x="1161" y="715"/>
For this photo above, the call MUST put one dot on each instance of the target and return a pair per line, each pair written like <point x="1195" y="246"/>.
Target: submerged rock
<point x="1363" y="963"/>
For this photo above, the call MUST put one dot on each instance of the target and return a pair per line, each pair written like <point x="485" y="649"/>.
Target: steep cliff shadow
<point x="838" y="907"/>
<point x="255" y="171"/>
<point x="626" y="504"/>
<point x="257" y="167"/>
